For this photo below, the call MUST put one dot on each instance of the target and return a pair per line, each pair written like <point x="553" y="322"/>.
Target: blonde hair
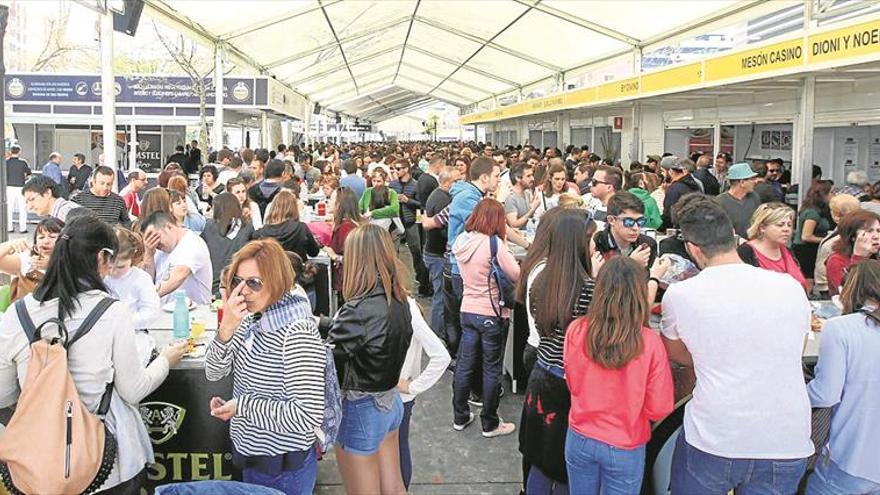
<point x="131" y="246"/>
<point x="569" y="200"/>
<point x="841" y="204"/>
<point x="376" y="262"/>
<point x="768" y="214"/>
<point x="276" y="271"/>
<point x="283" y="207"/>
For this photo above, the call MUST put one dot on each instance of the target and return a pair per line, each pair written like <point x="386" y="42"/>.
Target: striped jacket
<point x="278" y="379"/>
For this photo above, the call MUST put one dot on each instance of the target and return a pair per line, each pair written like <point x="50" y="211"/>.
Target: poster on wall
<point x="97" y="147"/>
<point x="874" y="160"/>
<point x="850" y="155"/>
<point x="765" y="140"/>
<point x="785" y="144"/>
<point x="149" y="151"/>
<point x="775" y="140"/>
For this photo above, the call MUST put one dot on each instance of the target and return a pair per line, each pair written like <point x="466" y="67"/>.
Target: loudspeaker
<point x="127" y="21"/>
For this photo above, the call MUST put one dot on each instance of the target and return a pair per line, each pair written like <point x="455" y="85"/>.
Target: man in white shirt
<point x="177" y="258"/>
<point x="606" y="181"/>
<point x="747" y="427"/>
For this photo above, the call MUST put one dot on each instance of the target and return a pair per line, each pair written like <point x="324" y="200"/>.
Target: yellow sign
<point x="580" y="97"/>
<point x="853" y="41"/>
<point x="618" y="89"/>
<point x="686" y="75"/>
<point x="768" y="58"/>
<point x="856" y="40"/>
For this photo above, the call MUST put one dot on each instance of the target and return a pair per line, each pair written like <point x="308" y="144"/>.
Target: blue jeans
<point x="484" y="335"/>
<point x="829" y="479"/>
<point x="434" y="264"/>
<point x="695" y="471"/>
<point x="453" y="290"/>
<point x="403" y="443"/>
<point x="596" y="467"/>
<point x="298" y="482"/>
<point x="539" y="483"/>
<point x="364" y="425"/>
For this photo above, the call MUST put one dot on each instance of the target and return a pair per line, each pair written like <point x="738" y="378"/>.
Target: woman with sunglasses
<point x="769" y="233"/>
<point x="371" y="335"/>
<point x="270" y="344"/>
<point x="622" y="234"/>
<point x="71" y="289"/>
<point x="846" y="381"/>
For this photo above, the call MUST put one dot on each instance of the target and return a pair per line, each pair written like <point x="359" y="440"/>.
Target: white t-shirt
<point x="745" y="328"/>
<point x="534" y="337"/>
<point x="136" y="289"/>
<point x="227" y="174"/>
<point x="192" y="252"/>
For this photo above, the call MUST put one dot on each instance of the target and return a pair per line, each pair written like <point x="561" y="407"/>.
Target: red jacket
<point x="615" y="406"/>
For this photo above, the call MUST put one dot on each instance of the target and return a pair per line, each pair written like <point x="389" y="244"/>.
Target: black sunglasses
<point x="596" y="182"/>
<point x="253" y="283"/>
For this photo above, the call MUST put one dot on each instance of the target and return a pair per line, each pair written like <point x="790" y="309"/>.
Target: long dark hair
<point x="380" y="197"/>
<point x="618" y="312"/>
<point x="73" y="267"/>
<point x="862" y="284"/>
<point x="817" y="198"/>
<point x="226" y="210"/>
<point x="567" y="268"/>
<point x="537" y="251"/>
<point x="346" y="208"/>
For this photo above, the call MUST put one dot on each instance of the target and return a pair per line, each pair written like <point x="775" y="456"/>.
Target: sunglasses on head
<point x="253" y="283"/>
<point x="111" y="254"/>
<point x="632" y="222"/>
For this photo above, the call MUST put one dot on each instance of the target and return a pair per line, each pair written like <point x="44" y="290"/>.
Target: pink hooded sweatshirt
<point x="472" y="251"/>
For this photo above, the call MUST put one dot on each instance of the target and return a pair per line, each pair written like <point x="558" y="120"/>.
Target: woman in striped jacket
<point x="270" y="343"/>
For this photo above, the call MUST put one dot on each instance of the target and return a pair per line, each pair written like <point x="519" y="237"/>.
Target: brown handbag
<point x="53" y="443"/>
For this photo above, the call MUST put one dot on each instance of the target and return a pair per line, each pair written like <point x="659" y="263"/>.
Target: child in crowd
<point x="133" y="286"/>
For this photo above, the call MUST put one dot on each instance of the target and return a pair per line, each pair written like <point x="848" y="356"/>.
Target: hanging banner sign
<point x="852" y="44"/>
<point x="618" y="89"/>
<point x="686" y="75"/>
<point x="129" y="89"/>
<point x="765" y="59"/>
<point x="852" y="41"/>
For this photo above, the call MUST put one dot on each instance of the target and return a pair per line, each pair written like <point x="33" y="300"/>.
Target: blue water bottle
<point x="181" y="316"/>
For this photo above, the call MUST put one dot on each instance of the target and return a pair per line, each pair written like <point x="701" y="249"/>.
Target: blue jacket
<point x="465" y="196"/>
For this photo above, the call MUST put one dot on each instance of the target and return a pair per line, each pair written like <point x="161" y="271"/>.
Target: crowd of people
<point x="569" y="236"/>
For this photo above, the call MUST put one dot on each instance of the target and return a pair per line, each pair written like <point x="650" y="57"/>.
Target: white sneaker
<point x="503" y="429"/>
<point x="458" y="427"/>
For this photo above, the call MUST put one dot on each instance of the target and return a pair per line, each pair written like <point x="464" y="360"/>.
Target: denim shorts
<point x="364" y="425"/>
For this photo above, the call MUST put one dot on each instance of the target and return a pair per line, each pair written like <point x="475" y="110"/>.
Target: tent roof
<point x="375" y="59"/>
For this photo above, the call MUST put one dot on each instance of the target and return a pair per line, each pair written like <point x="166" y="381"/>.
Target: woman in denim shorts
<point x="371" y="335"/>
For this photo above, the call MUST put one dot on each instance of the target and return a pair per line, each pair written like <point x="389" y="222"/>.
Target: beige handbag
<point x="53" y="443"/>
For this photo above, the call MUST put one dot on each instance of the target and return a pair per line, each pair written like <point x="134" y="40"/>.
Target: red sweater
<point x="615" y="406"/>
<point x="835" y="268"/>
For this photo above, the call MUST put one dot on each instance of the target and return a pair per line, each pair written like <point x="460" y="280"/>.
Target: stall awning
<point x="374" y="59"/>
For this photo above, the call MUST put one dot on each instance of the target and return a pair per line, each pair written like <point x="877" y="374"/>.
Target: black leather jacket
<point x="371" y="339"/>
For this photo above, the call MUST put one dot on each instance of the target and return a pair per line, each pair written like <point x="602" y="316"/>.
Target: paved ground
<point x="446" y="461"/>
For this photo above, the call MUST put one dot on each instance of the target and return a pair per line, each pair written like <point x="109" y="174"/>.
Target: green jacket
<point x="390" y="211"/>
<point x="652" y="212"/>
